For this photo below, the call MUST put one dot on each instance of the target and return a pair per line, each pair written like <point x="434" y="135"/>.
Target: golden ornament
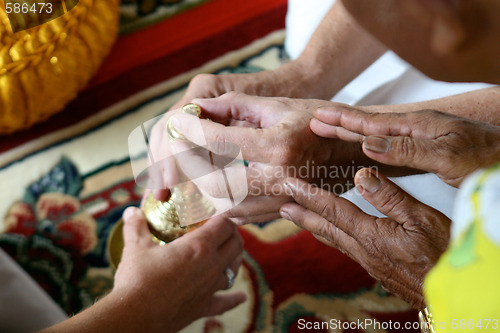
<point x="43" y="68"/>
<point x="163" y="217"/>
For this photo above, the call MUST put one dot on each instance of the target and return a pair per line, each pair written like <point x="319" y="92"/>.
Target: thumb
<point x="388" y="198"/>
<point x="402" y="151"/>
<point x="135" y="228"/>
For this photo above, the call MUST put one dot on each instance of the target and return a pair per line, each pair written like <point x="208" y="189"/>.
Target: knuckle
<point x="241" y="220"/>
<point x="217" y="189"/>
<point x="368" y="120"/>
<point x="233" y="95"/>
<point x="232" y="214"/>
<point x="202" y="79"/>
<point x="218" y="139"/>
<point x="392" y="199"/>
<point x="405" y="150"/>
<point x="288" y="153"/>
<point x="458" y="125"/>
<point x="239" y="243"/>
<point x="327" y="211"/>
<point x="448" y="154"/>
<point x="200" y="249"/>
<point x="280" y="103"/>
<point x="231" y="225"/>
<point x="326" y="230"/>
<point x="222" y="148"/>
<point x="428" y="113"/>
<point x="371" y="251"/>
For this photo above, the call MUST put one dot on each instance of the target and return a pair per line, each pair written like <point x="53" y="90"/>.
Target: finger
<point x="144" y="196"/>
<point x="135" y="228"/>
<point x="161" y="195"/>
<point x="333" y="132"/>
<point x="412" y="296"/>
<point x="254" y="143"/>
<point x="321" y="227"/>
<point x="399" y="139"/>
<point x="159" y="175"/>
<point x="235" y="265"/>
<point x="254" y="206"/>
<point x="342" y="213"/>
<point x="390" y="124"/>
<point x="230" y="250"/>
<point x="221" y="303"/>
<point x="242" y="107"/>
<point x="161" y="170"/>
<point x="216" y="230"/>
<point x="388" y="198"/>
<point x="204" y="168"/>
<point x="256" y="219"/>
<point x="219" y="175"/>
<point x="405" y="151"/>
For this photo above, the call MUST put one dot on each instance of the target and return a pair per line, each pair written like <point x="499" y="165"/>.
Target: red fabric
<point x="234" y="22"/>
<point x="285" y="273"/>
<point x="300" y="264"/>
<point x="171" y="47"/>
<point x="309" y="264"/>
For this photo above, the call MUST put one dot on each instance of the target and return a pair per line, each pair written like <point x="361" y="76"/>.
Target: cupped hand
<point x="397" y="250"/>
<point x="449" y="146"/>
<point x="168" y="287"/>
<point x="277" y="142"/>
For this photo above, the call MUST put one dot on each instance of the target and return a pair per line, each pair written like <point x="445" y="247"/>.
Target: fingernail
<point x="288" y="189"/>
<point x="131" y="212"/>
<point x="285" y="215"/>
<point x="175" y="121"/>
<point x="369" y="183"/>
<point x="376" y="144"/>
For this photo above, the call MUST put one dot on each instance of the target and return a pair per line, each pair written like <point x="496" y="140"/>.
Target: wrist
<point x="300" y="79"/>
<point x="130" y="311"/>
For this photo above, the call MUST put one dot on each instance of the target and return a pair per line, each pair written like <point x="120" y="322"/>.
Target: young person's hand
<point x="164" y="288"/>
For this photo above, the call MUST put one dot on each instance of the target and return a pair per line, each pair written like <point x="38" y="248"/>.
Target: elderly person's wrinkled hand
<point x="168" y="287"/>
<point x="276" y="140"/>
<point x="397" y="250"/>
<point x="446" y="145"/>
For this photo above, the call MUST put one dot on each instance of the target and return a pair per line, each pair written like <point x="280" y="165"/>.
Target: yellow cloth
<point x="463" y="289"/>
<point x="43" y="68"/>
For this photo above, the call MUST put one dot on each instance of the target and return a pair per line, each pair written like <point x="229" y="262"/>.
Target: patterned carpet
<point x="69" y="182"/>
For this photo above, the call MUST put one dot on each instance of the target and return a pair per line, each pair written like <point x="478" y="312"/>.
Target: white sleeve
<point x="24" y="306"/>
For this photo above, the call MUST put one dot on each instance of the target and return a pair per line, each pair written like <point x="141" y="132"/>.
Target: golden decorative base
<point x="163" y="223"/>
<point x="163" y="217"/>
